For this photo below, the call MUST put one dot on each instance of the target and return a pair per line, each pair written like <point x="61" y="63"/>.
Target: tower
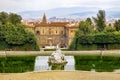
<point x="44" y="20"/>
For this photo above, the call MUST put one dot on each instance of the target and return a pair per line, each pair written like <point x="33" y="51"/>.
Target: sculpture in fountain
<point x="57" y="57"/>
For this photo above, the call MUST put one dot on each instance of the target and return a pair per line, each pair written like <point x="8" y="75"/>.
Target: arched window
<point x="37" y="32"/>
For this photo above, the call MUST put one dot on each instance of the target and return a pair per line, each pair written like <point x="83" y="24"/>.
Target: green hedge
<point x="97" y="46"/>
<point x="106" y="63"/>
<point x="3" y="45"/>
<point x="86" y="46"/>
<point x="99" y="38"/>
<point x="55" y="49"/>
<point x="96" y="41"/>
<point x="113" y="46"/>
<point x="25" y="47"/>
<point x="17" y="64"/>
<point x="107" y="38"/>
<point x="17" y="37"/>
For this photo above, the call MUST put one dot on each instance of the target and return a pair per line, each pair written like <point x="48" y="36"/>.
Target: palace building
<point x="50" y="34"/>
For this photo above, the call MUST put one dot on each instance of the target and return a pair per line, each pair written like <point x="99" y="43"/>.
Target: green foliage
<point x="117" y="25"/>
<point x="17" y="35"/>
<point x="85" y="27"/>
<point x="91" y="41"/>
<point x="113" y="46"/>
<point x="49" y="49"/>
<point x="16" y="64"/>
<point x="3" y="17"/>
<point x="100" y="20"/>
<point x="100" y="64"/>
<point x="89" y="20"/>
<point x="86" y="39"/>
<point x="102" y="37"/>
<point x="107" y="38"/>
<point x="3" y="45"/>
<point x="14" y="35"/>
<point x="14" y="18"/>
<point x="109" y="29"/>
<point x="99" y="38"/>
<point x="87" y="47"/>
<point x="2" y="32"/>
<point x="73" y="44"/>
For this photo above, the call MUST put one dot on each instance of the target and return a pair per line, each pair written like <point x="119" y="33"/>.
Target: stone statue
<point x="57" y="57"/>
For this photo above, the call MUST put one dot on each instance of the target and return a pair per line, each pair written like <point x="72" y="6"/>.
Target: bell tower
<point x="44" y="20"/>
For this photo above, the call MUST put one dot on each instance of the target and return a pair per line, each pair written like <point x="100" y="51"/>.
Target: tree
<point x="89" y="20"/>
<point x="85" y="27"/>
<point x="100" y="20"/>
<point x="3" y="17"/>
<point x="109" y="29"/>
<point x="14" y="18"/>
<point x="2" y="31"/>
<point x="117" y="25"/>
<point x="15" y="35"/>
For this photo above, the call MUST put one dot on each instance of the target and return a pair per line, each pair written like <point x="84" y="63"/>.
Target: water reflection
<point x="57" y="67"/>
<point x="96" y="64"/>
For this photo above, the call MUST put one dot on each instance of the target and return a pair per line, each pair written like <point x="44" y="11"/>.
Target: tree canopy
<point x="3" y="17"/>
<point x="14" y="33"/>
<point x="100" y="20"/>
<point x="117" y="25"/>
<point x="12" y="18"/>
<point x="85" y="27"/>
<point x="96" y="36"/>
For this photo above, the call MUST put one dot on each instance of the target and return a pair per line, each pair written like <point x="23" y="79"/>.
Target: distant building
<point x="52" y="33"/>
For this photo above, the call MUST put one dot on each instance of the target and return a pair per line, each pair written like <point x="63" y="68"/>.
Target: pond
<point x="41" y="64"/>
<point x="93" y="63"/>
<point x="97" y="63"/>
<point x="85" y="63"/>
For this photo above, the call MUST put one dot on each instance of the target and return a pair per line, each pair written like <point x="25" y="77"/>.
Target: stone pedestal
<point x="57" y="57"/>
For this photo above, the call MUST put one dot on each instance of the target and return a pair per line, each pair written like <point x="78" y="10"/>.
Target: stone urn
<point x="57" y="57"/>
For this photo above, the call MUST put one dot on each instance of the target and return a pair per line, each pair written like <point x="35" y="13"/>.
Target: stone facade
<point x="53" y="33"/>
<point x="50" y="35"/>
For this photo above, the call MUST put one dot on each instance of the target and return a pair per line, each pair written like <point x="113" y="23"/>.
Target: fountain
<point x="57" y="57"/>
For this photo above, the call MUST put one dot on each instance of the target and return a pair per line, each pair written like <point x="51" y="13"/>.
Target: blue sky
<point x="28" y="5"/>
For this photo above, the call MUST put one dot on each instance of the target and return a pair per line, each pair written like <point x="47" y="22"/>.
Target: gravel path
<point x="61" y="75"/>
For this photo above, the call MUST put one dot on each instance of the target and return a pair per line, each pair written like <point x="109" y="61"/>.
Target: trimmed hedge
<point x="87" y="47"/>
<point x="96" y="41"/>
<point x="25" y="47"/>
<point x="104" y="64"/>
<point x="17" y="64"/>
<point x="99" y="38"/>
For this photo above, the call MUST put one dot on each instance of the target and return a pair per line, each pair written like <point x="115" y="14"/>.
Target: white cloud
<point x="23" y="5"/>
